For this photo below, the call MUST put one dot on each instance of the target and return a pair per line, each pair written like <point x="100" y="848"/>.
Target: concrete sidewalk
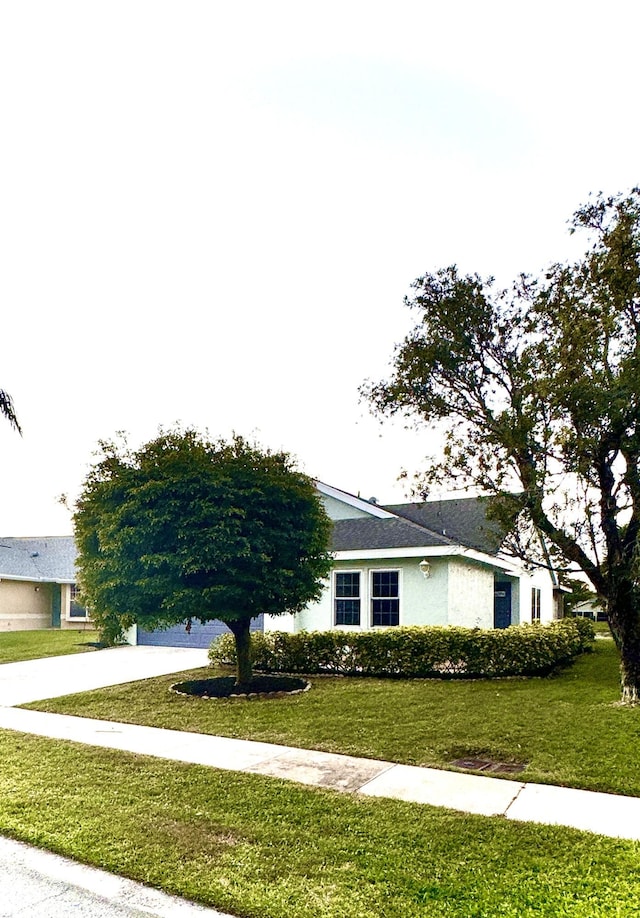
<point x="604" y="814"/>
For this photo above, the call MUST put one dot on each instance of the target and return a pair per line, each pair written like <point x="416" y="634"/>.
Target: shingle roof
<point x="356" y="534"/>
<point x="48" y="559"/>
<point x="463" y="520"/>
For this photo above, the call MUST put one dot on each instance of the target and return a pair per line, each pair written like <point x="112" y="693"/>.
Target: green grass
<point x="262" y="848"/>
<point x="33" y="645"/>
<point x="567" y="728"/>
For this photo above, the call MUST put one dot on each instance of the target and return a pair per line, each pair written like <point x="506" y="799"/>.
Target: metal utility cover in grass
<point x="487" y="766"/>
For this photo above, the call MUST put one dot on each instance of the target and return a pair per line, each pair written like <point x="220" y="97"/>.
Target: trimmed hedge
<point x="416" y="652"/>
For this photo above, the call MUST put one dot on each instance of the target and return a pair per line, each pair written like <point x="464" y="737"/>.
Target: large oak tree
<point x="187" y="529"/>
<point x="538" y="389"/>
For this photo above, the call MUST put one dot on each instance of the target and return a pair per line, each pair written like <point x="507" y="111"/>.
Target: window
<point x="75" y="609"/>
<point x="535" y="604"/>
<point x="385" y="597"/>
<point x="347" y="598"/>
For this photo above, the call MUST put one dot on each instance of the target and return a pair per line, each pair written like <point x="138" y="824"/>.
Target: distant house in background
<point x="429" y="563"/>
<point x="591" y="608"/>
<point x="38" y="585"/>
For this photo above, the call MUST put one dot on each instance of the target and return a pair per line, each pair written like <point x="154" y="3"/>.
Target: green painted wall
<point x="56" y="605"/>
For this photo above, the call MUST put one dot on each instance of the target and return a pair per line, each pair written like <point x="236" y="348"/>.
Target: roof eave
<point x="357" y="502"/>
<point x="441" y="551"/>
<point x="25" y="579"/>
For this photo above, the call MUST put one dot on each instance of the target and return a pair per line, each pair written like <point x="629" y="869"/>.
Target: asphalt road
<point x="38" y="884"/>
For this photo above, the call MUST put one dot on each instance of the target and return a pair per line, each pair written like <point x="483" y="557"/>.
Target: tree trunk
<point x="242" y="635"/>
<point x="630" y="668"/>
<point x="624" y="621"/>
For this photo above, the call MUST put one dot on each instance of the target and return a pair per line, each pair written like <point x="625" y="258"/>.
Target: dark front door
<point x="502" y="604"/>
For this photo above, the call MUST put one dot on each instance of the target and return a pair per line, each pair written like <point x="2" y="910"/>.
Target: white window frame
<point x="335" y="597"/>
<point x="536" y="603"/>
<point x="71" y="592"/>
<point x="371" y="597"/>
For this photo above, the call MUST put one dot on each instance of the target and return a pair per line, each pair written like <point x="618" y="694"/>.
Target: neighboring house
<point x="429" y="563"/>
<point x="37" y="585"/>
<point x="590" y="608"/>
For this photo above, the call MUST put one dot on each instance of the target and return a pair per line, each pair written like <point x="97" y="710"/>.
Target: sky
<point x="211" y="212"/>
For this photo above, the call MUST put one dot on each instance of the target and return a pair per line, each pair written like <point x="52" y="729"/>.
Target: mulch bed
<point x="226" y="687"/>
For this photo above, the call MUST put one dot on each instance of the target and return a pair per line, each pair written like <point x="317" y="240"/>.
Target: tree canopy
<point x="189" y="529"/>
<point x="538" y="387"/>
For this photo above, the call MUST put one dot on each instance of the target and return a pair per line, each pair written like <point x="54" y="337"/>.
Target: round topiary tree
<point x="186" y="528"/>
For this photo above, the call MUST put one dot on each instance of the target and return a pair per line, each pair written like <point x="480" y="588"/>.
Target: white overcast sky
<point x="211" y="211"/>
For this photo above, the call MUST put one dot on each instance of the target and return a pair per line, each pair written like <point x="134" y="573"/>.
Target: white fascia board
<point x="352" y="501"/>
<point x="23" y="579"/>
<point x="455" y="551"/>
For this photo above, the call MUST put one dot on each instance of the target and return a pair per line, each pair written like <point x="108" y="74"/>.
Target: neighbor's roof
<point x="49" y="559"/>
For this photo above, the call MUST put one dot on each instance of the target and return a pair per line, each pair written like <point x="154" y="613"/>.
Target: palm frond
<point x="7" y="409"/>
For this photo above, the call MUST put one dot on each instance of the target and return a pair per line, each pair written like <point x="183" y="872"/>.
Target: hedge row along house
<point x="431" y="563"/>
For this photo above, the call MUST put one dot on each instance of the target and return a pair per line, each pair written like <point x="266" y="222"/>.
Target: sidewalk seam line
<point x="384" y="771"/>
<point x="513" y="800"/>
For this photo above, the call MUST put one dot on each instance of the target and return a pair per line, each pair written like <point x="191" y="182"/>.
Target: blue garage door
<point x="200" y="636"/>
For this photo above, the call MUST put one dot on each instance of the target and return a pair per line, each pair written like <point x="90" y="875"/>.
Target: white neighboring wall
<point x="280" y="623"/>
<point x="539" y="579"/>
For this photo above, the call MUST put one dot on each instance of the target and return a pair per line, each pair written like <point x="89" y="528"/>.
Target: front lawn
<point x="567" y="728"/>
<point x="263" y="848"/>
<point x="33" y="645"/>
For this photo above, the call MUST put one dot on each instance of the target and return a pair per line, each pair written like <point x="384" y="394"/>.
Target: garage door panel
<point x="201" y="635"/>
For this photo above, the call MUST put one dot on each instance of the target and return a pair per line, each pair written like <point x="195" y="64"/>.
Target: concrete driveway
<point x="53" y="677"/>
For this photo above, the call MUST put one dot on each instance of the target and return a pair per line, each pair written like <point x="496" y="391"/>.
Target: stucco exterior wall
<point x="423" y="601"/>
<point x="470" y="595"/>
<point x="25" y="606"/>
<point x="339" y="510"/>
<point x="316" y="616"/>
<point x="280" y="623"/>
<point x="457" y="592"/>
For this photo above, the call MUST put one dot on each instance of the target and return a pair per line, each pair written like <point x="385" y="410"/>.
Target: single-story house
<point x="438" y="562"/>
<point x="38" y="585"/>
<point x="430" y="563"/>
<point x="591" y="608"/>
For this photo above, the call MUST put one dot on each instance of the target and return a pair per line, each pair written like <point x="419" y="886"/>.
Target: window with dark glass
<point x="347" y="598"/>
<point x="385" y="598"/>
<point x="535" y="604"/>
<point x="75" y="609"/>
